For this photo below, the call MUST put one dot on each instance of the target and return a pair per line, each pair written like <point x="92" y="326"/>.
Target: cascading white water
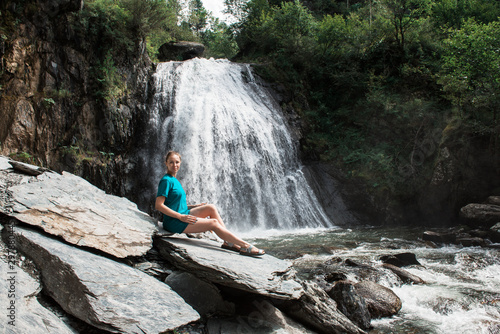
<point x="236" y="149"/>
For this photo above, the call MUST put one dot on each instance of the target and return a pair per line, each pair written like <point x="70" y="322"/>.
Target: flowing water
<point x="236" y="149"/>
<point x="462" y="290"/>
<point x="238" y="154"/>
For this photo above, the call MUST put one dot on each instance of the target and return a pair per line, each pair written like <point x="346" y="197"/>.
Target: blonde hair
<point x="170" y="153"/>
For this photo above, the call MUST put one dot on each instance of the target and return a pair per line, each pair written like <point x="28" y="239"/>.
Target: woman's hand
<point x="188" y="219"/>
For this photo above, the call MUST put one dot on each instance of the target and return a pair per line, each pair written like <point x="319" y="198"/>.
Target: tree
<point x="198" y="16"/>
<point x="471" y="68"/>
<point x="403" y="15"/>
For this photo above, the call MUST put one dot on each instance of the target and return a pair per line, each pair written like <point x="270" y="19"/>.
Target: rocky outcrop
<point x="266" y="276"/>
<point x="70" y="207"/>
<point x="104" y="293"/>
<point x="180" y="51"/>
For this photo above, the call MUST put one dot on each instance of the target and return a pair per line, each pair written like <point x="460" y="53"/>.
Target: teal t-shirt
<point x="175" y="197"/>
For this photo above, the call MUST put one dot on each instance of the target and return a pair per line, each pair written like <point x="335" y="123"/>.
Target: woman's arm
<point x="160" y="206"/>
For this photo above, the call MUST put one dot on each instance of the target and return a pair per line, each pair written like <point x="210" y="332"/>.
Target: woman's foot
<point x="251" y="251"/>
<point x="230" y="246"/>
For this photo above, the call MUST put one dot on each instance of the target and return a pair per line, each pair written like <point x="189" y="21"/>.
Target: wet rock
<point x="180" y="51"/>
<point x="105" y="294"/>
<point x="401" y="259"/>
<point x="381" y="301"/>
<point x="203" y="296"/>
<point x="350" y="303"/>
<point x="471" y="242"/>
<point x="70" y="207"/>
<point x="404" y="275"/>
<point x="439" y="237"/>
<point x="480" y="215"/>
<point x="317" y="310"/>
<point x="266" y="275"/>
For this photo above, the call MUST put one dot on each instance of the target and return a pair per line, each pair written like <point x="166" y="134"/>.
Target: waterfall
<point x="237" y="152"/>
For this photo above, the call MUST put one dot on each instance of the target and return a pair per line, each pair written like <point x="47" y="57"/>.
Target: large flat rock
<point x="266" y="275"/>
<point x="68" y="206"/>
<point x="22" y="312"/>
<point x="102" y="292"/>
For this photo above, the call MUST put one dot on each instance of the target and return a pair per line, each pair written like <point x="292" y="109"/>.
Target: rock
<point x="471" y="242"/>
<point x="266" y="275"/>
<point x="495" y="200"/>
<point x="105" y="294"/>
<point x="180" y="51"/>
<point x="70" y="207"/>
<point x="352" y="305"/>
<point x="317" y="310"/>
<point x="439" y="237"/>
<point x="20" y="307"/>
<point x="401" y="259"/>
<point x="203" y="296"/>
<point x="5" y="163"/>
<point x="259" y="316"/>
<point x="404" y="275"/>
<point x="26" y="168"/>
<point x="494" y="233"/>
<point x="480" y="215"/>
<point x="381" y="301"/>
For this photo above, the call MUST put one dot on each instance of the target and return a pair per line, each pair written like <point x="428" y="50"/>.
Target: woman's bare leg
<point x="203" y="225"/>
<point x="207" y="210"/>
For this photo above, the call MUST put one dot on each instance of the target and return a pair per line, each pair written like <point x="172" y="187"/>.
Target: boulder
<point x="317" y="310"/>
<point x="203" y="296"/>
<point x="266" y="275"/>
<point x="180" y="51"/>
<point x="105" y="294"/>
<point x="381" y="301"/>
<point x="401" y="259"/>
<point x="480" y="215"/>
<point x="351" y="303"/>
<point x="404" y="275"/>
<point x="70" y="207"/>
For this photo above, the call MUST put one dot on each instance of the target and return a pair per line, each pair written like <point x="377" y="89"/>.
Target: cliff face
<point x="50" y="113"/>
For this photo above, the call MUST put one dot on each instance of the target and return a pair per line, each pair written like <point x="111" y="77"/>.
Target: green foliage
<point x="219" y="41"/>
<point x="451" y="13"/>
<point x="471" y="69"/>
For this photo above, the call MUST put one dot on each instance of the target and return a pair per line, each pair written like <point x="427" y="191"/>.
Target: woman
<point x="178" y="217"/>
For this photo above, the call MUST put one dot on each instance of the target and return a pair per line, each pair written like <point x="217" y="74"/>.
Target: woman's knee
<point x="212" y="208"/>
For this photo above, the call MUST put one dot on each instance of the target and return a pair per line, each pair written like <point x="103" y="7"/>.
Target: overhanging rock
<point x="68" y="206"/>
<point x="266" y="275"/>
<point x="106" y="294"/>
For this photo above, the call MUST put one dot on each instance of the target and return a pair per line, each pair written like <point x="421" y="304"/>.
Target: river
<point x="238" y="153"/>
<point x="462" y="289"/>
